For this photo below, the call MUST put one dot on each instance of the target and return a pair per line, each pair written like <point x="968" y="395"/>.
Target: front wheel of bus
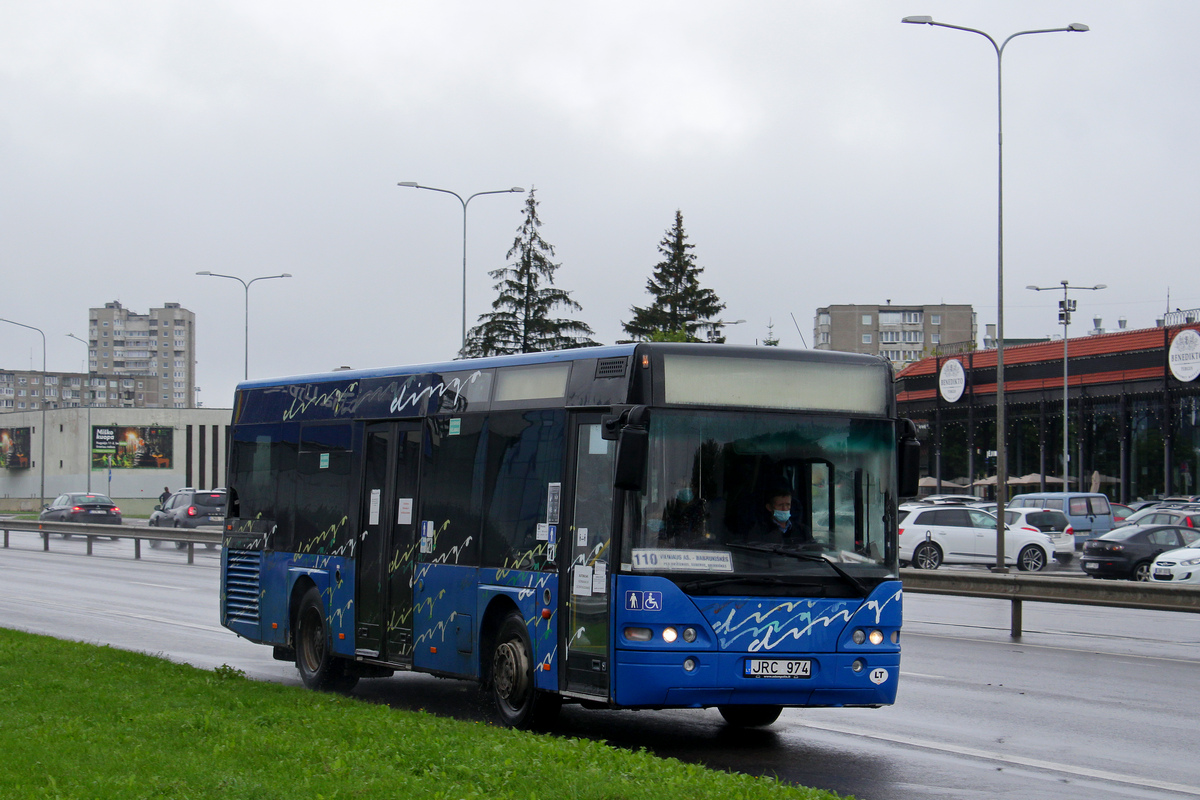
<point x="319" y="668"/>
<point x="518" y="703"/>
<point x="750" y="716"/>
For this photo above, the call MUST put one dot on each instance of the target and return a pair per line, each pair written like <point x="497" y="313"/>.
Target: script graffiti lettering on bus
<point x="878" y="607"/>
<point x="307" y="396"/>
<point x="760" y="627"/>
<point x="453" y="386"/>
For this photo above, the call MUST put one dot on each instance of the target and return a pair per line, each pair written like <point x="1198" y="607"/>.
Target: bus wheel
<point x="518" y="703"/>
<point x="319" y="668"/>
<point x="750" y="716"/>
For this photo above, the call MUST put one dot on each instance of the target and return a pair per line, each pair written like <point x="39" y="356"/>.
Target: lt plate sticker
<point x="879" y="675"/>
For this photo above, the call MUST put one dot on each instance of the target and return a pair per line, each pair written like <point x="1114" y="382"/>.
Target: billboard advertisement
<point x="132" y="447"/>
<point x="14" y="448"/>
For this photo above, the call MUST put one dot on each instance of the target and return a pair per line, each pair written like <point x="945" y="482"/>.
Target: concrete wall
<point x="198" y="456"/>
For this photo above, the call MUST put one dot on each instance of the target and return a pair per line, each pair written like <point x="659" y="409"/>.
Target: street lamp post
<point x="246" y="286"/>
<point x="1001" y="451"/>
<point x="415" y="185"/>
<point x="1065" y="307"/>
<point x="87" y="388"/>
<point x="715" y="325"/>
<point x="42" y="458"/>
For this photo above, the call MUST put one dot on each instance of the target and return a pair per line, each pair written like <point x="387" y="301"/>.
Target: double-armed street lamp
<point x="1001" y="451"/>
<point x="42" y="436"/>
<point x="1065" y="307"/>
<point x="415" y="185"/>
<point x="87" y="388"/>
<point x="246" y="285"/>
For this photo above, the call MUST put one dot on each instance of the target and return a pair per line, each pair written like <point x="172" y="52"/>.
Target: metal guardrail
<point x="1018" y="587"/>
<point x="190" y="536"/>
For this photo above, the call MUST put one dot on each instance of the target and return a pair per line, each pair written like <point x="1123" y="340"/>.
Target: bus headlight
<point x="876" y="637"/>
<point x="670" y="635"/>
<point x="858" y="637"/>
<point x="689" y="635"/>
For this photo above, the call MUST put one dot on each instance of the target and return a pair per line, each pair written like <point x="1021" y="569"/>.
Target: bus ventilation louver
<point x="242" y="586"/>
<point x="611" y="367"/>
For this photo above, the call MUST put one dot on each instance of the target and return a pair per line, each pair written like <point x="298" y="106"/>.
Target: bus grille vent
<point x="242" y="586"/>
<point x="611" y="367"/>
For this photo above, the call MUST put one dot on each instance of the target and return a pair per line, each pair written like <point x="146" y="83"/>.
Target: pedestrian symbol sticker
<point x="643" y="601"/>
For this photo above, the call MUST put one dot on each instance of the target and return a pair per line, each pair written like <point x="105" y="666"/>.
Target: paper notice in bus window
<point x="682" y="560"/>
<point x="543" y="532"/>
<point x="373" y="517"/>
<point x="597" y="445"/>
<point x="404" y="511"/>
<point x="599" y="578"/>
<point x="582" y="585"/>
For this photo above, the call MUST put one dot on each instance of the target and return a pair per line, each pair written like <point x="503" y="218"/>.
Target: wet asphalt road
<point x="1090" y="703"/>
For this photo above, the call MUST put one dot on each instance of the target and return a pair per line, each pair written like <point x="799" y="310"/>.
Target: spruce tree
<point x="520" y="320"/>
<point x="680" y="304"/>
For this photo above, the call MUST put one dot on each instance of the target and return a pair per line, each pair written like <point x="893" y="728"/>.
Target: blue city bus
<point x="594" y="526"/>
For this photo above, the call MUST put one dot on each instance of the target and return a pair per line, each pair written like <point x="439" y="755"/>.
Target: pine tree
<point x="772" y="340"/>
<point x="680" y="304"/>
<point x="520" y="321"/>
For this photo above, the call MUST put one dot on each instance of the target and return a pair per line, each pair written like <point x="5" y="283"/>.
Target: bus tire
<point x="518" y="703"/>
<point x="319" y="668"/>
<point x="754" y="716"/>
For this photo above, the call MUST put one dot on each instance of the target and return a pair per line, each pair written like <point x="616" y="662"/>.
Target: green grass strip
<point x="80" y="721"/>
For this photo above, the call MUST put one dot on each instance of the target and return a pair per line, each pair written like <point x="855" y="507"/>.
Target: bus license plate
<point x="778" y="668"/>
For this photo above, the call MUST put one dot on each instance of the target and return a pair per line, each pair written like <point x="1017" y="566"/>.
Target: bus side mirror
<point x="908" y="457"/>
<point x="633" y="445"/>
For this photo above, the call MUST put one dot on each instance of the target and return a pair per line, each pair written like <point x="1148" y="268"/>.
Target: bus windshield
<point x="737" y="498"/>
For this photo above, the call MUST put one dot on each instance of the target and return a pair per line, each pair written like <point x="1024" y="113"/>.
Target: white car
<point x="1048" y="521"/>
<point x="1177" y="566"/>
<point x="936" y="535"/>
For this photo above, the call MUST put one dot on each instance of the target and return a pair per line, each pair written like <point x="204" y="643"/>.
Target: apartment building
<point x="134" y="361"/>
<point x="901" y="333"/>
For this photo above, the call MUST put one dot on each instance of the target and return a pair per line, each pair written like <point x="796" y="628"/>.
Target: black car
<point x="1129" y="551"/>
<point x="82" y="507"/>
<point x="190" y="508"/>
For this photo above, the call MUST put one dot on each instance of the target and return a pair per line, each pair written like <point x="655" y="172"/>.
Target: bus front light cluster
<point x="874" y="637"/>
<point x="669" y="634"/>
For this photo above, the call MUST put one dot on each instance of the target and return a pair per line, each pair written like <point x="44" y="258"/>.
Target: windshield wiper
<point x="792" y="552"/>
<point x="760" y="580"/>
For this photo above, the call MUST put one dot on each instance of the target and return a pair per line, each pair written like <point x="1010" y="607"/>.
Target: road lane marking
<point x="1035" y="763"/>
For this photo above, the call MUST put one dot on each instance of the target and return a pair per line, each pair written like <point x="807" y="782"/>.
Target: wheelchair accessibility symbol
<point x="643" y="601"/>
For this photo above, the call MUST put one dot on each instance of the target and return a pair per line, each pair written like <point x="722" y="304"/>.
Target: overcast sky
<point x="821" y="153"/>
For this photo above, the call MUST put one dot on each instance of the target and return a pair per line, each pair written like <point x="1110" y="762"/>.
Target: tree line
<point x="524" y="316"/>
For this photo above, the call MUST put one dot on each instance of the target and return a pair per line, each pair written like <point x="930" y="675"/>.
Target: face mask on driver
<point x="781" y="516"/>
<point x="684" y="495"/>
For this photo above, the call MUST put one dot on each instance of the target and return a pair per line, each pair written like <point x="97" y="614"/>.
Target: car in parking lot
<point x="1120" y="512"/>
<point x="945" y="534"/>
<point x="1177" y="566"/>
<point x="81" y="507"/>
<point x="1185" y="514"/>
<point x="1048" y="521"/>
<point x="190" y="508"/>
<point x="1089" y="512"/>
<point x="1130" y="551"/>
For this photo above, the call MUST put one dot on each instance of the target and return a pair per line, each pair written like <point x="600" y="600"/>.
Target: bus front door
<point x="387" y="543"/>
<point x="589" y="579"/>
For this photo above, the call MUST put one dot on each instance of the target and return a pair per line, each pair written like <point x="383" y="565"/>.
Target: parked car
<point x="190" y="508"/>
<point x="82" y="507"/>
<point x="1177" y="566"/>
<point x="1048" y="521"/>
<point x="1120" y="513"/>
<point x="934" y="535"/>
<point x="1187" y="515"/>
<point x="1089" y="512"/>
<point x="1129" y="552"/>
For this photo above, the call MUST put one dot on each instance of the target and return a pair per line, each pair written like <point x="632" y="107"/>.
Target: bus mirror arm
<point x="908" y="459"/>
